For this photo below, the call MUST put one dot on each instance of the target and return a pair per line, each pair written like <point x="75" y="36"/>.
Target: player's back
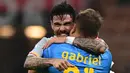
<point x="84" y="62"/>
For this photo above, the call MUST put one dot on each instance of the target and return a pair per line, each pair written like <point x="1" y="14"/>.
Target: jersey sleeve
<point x="69" y="39"/>
<point x="37" y="50"/>
<point x="106" y="59"/>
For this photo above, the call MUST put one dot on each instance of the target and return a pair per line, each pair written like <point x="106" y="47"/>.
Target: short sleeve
<point x="37" y="50"/>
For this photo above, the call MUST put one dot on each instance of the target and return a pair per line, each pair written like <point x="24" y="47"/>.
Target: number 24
<point x="76" y="70"/>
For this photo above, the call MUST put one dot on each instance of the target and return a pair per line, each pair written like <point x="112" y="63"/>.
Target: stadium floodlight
<point x="7" y="31"/>
<point x="35" y="32"/>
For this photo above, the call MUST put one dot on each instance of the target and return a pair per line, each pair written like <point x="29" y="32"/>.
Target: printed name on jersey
<point x="80" y="58"/>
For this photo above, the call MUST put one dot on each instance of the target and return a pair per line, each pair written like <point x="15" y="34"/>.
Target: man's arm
<point x="34" y="60"/>
<point x="96" y="46"/>
<point x="34" y="63"/>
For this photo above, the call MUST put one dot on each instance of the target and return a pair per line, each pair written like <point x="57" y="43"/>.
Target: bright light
<point x="6" y="31"/>
<point x="35" y="32"/>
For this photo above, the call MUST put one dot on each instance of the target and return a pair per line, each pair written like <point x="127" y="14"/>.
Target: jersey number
<point x="76" y="70"/>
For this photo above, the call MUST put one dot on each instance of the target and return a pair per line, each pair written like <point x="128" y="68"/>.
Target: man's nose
<point x="62" y="28"/>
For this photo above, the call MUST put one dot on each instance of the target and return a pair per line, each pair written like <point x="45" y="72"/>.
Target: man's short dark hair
<point x="89" y="22"/>
<point x="62" y="9"/>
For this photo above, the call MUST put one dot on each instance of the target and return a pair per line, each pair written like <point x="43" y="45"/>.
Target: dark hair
<point x="62" y="9"/>
<point x="89" y="22"/>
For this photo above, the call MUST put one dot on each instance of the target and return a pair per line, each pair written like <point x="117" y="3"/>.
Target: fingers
<point x="65" y="66"/>
<point x="69" y="64"/>
<point x="48" y="43"/>
<point x="58" y="67"/>
<point x="102" y="50"/>
<point x="45" y="46"/>
<point x="61" y="64"/>
<point x="62" y="67"/>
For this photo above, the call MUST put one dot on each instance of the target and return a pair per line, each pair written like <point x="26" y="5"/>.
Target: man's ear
<point x="73" y="29"/>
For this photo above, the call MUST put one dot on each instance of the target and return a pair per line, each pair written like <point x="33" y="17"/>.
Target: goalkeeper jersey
<point x="84" y="62"/>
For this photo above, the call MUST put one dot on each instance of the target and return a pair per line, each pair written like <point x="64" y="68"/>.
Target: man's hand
<point x="61" y="64"/>
<point x="55" y="40"/>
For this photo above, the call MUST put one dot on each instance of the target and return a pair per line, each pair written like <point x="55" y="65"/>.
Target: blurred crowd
<point x="23" y="13"/>
<point x="33" y="11"/>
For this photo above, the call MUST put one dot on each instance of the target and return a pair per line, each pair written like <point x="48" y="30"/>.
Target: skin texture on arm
<point x="33" y="63"/>
<point x="96" y="46"/>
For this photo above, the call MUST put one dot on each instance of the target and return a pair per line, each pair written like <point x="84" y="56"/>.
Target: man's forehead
<point x="59" y="18"/>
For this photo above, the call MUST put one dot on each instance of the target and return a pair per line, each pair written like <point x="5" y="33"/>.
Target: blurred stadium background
<point x="24" y="22"/>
